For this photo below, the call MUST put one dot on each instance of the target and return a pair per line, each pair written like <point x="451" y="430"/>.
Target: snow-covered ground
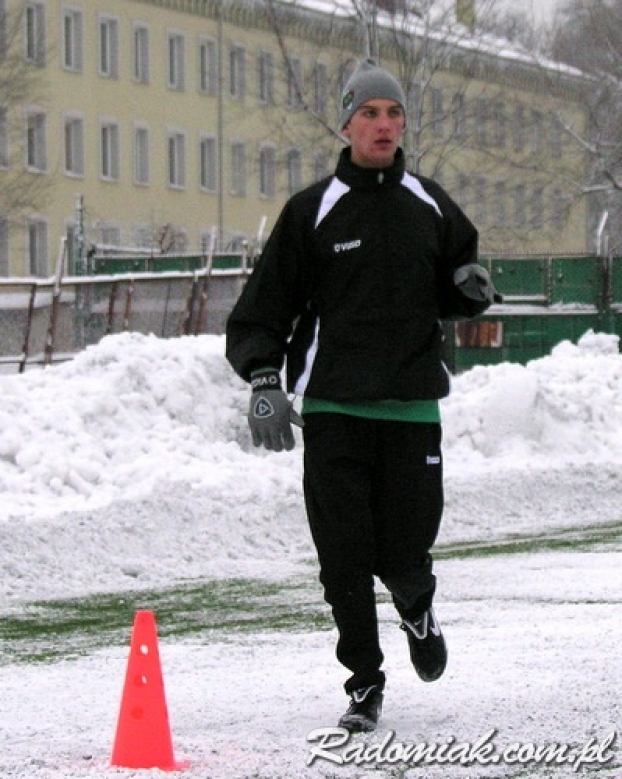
<point x="130" y="468"/>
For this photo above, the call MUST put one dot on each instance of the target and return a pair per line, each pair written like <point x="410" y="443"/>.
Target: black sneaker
<point x="364" y="710"/>
<point x="428" y="651"/>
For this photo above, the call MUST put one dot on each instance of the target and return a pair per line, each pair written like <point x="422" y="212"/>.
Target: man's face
<point x="374" y="132"/>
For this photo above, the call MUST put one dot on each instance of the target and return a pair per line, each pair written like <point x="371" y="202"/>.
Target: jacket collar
<point x="356" y="177"/>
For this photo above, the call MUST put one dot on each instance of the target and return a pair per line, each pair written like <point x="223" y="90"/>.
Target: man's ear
<point x="346" y="130"/>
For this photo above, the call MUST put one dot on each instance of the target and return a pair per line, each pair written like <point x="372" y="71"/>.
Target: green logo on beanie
<point x="348" y="100"/>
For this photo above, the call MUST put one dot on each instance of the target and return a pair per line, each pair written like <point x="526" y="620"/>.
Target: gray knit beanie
<point x="366" y="83"/>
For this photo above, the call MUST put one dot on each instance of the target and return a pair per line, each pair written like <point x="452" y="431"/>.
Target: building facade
<point x="164" y="124"/>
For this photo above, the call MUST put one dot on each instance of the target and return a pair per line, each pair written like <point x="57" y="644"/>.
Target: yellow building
<point x="170" y="121"/>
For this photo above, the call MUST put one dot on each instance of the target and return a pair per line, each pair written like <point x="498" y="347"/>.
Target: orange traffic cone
<point x="143" y="737"/>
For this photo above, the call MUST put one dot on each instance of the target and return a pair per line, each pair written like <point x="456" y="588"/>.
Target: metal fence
<point x="48" y="320"/>
<point x="547" y="299"/>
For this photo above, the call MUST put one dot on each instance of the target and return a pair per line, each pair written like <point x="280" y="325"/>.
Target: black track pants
<point x="374" y="498"/>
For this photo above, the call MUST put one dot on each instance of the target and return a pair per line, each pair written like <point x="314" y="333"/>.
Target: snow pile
<point x="132" y="466"/>
<point x="121" y="418"/>
<point x="135" y="412"/>
<point x="568" y="404"/>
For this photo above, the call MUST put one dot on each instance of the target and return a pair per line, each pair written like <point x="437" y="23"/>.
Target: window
<point x="176" y="61"/>
<point x="266" y="77"/>
<point x="438" y="114"/>
<point x="294" y="171"/>
<point x="237" y="72"/>
<point x="557" y="139"/>
<point x="141" y="54"/>
<point x="74" y="146"/>
<point x="499" y="205"/>
<point x="208" y="67"/>
<point x="519" y="205"/>
<point x="458" y="115"/>
<point x="109" y="47"/>
<point x="537" y="132"/>
<point x="294" y="83"/>
<point x="34" y="20"/>
<point x="36" y="152"/>
<point x="560" y="210"/>
<point x="413" y="107"/>
<point x="109" y="161"/>
<point x="463" y="188"/>
<point x="141" y="155"/>
<point x="537" y="207"/>
<point x="143" y="236"/>
<point x="110" y="235"/>
<point x="4" y="245"/>
<point x="480" y="194"/>
<point x="482" y="116"/>
<point x="320" y="166"/>
<point x="499" y="124"/>
<point x="72" y="40"/>
<point x="237" y="242"/>
<point x="208" y="179"/>
<point x="4" y="138"/>
<point x="177" y="160"/>
<point x="36" y="247"/>
<point x="179" y="240"/>
<point x="3" y="30"/>
<point x="346" y="69"/>
<point x="267" y="171"/>
<point x="238" y="169"/>
<point x="518" y="128"/>
<point x="320" y="89"/>
<point x="206" y="241"/>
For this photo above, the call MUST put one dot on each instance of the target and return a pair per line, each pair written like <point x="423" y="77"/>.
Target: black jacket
<point x="352" y="284"/>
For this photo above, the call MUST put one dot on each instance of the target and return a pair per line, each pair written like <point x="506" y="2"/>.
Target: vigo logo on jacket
<point x="347" y="246"/>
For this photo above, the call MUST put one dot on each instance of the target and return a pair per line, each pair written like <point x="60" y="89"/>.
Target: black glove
<point x="474" y="282"/>
<point x="271" y="414"/>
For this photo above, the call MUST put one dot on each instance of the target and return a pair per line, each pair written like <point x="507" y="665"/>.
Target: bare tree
<point x="589" y="37"/>
<point x="518" y="27"/>
<point x="456" y="75"/>
<point x="294" y="79"/>
<point x="21" y="83"/>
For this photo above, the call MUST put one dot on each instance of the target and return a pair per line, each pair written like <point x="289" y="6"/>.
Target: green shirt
<point x="390" y="410"/>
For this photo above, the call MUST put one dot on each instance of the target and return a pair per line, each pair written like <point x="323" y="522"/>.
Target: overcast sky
<point x="541" y="9"/>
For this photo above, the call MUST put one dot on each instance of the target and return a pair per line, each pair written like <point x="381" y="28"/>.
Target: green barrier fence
<point x="547" y="299"/>
<point x="123" y="264"/>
